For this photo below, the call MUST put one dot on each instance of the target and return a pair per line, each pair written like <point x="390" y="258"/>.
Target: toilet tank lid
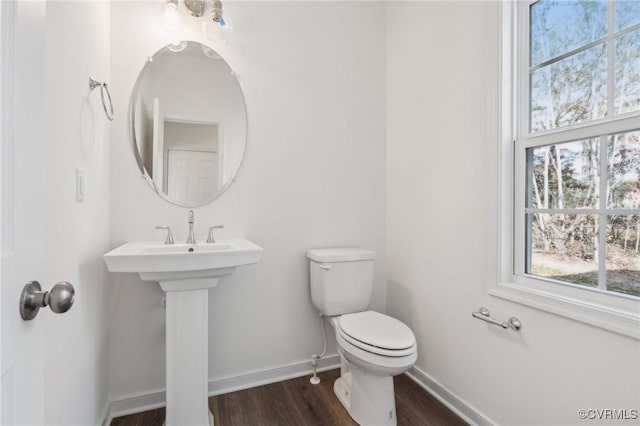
<point x="340" y="254"/>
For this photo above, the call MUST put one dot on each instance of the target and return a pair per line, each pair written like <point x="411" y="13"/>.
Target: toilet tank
<point x="341" y="279"/>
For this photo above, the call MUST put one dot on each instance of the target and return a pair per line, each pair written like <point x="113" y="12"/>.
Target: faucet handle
<point x="211" y="239"/>
<point x="169" y="239"/>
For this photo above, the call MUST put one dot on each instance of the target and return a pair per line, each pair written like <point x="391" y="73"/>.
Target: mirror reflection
<point x="188" y="123"/>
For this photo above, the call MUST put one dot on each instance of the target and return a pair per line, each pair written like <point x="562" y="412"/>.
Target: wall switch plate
<point x="80" y="185"/>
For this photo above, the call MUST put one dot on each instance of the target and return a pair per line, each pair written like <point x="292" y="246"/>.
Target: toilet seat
<point x="377" y="333"/>
<point x="370" y="360"/>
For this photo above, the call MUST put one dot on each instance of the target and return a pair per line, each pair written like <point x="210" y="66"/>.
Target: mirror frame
<point x="132" y="130"/>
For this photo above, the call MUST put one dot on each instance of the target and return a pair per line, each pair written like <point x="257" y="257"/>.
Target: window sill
<point x="623" y="319"/>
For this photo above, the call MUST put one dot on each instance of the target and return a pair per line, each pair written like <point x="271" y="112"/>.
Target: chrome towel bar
<point x="484" y="315"/>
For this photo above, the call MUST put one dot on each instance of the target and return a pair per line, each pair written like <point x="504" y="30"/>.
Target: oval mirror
<point x="188" y="124"/>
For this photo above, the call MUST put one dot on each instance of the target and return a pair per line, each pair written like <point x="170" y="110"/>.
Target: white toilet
<point x="373" y="347"/>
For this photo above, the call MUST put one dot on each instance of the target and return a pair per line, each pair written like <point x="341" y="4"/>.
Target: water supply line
<point x="314" y="358"/>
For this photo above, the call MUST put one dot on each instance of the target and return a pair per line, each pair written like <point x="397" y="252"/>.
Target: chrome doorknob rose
<point x="59" y="299"/>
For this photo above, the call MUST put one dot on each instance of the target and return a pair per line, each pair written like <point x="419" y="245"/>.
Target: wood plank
<point x="297" y="402"/>
<point x="415" y="406"/>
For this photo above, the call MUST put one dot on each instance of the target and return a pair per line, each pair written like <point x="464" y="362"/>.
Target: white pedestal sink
<point x="185" y="272"/>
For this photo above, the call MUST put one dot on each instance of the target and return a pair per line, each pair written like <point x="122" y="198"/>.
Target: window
<point x="575" y="163"/>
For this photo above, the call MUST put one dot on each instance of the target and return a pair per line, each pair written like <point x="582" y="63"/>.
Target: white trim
<point x="104" y="419"/>
<point x="507" y="105"/>
<point x="264" y="377"/>
<point x="190" y="119"/>
<point x="6" y="126"/>
<point x="602" y="218"/>
<point x="7" y="42"/>
<point x="586" y="210"/>
<point x="144" y="401"/>
<point x="3" y="109"/>
<point x="609" y="41"/>
<point x="520" y="56"/>
<point x="621" y="123"/>
<point x="620" y="321"/>
<point x="452" y="401"/>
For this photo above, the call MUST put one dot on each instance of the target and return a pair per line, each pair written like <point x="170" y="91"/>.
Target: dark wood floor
<point x="296" y="402"/>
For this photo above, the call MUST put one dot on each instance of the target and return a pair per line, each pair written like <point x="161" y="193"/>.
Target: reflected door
<point x="192" y="176"/>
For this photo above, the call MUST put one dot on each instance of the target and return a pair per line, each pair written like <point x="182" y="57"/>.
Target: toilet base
<point x="369" y="399"/>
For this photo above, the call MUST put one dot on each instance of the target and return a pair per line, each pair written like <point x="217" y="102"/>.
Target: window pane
<point x="563" y="247"/>
<point x="576" y="186"/>
<point x="551" y="20"/>
<point x="627" y="13"/>
<point x="623" y="258"/>
<point x="627" y="72"/>
<point x="570" y="91"/>
<point x="623" y="183"/>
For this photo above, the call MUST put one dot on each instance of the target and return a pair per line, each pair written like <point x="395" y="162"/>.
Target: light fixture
<point x="218" y="31"/>
<point x="216" y="11"/>
<point x="216" y="25"/>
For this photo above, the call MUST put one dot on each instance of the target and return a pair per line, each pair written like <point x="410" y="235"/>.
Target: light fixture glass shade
<point x="171" y="19"/>
<point x="196" y="8"/>
<point x="218" y="32"/>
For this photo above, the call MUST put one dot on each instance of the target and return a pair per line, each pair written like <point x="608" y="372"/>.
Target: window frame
<point x="609" y="310"/>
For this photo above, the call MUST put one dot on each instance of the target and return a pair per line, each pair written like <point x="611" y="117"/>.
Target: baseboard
<point x="264" y="377"/>
<point x="144" y="401"/>
<point x="135" y="403"/>
<point x="448" y="398"/>
<point x="104" y="415"/>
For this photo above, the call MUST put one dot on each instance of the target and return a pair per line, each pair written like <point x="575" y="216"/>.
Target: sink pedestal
<point x="185" y="272"/>
<point x="187" y="356"/>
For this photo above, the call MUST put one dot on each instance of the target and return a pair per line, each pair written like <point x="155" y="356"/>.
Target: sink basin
<point x="179" y="267"/>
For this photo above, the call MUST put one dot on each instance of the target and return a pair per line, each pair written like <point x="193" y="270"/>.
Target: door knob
<point x="60" y="299"/>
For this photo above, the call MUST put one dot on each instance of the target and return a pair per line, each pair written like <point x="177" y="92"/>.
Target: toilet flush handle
<point x="325" y="267"/>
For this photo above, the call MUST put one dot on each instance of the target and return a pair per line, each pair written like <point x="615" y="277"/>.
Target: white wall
<point x="76" y="233"/>
<point x="441" y="204"/>
<point x="313" y="77"/>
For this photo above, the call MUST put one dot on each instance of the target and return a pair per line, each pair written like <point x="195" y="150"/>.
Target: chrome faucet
<point x="190" y="238"/>
<point x="211" y="238"/>
<point x="169" y="239"/>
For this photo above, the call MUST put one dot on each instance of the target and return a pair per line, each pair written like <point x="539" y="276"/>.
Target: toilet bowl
<point x="369" y="358"/>
<point x="373" y="347"/>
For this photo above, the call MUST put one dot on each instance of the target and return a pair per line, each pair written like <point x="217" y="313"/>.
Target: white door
<point x="22" y="137"/>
